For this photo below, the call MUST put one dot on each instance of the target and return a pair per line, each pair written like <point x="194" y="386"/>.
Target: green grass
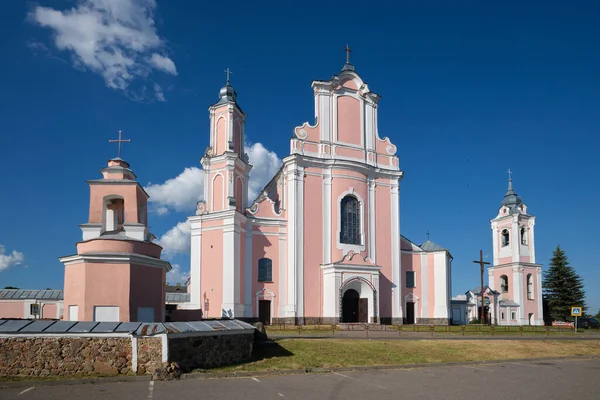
<point x="307" y="354"/>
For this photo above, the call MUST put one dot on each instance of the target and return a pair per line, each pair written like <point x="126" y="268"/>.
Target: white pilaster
<point x="248" y="271"/>
<point x="518" y="293"/>
<point x="441" y="307"/>
<point x="372" y="229"/>
<point x="228" y="306"/>
<point x="195" y="263"/>
<point x="495" y="242"/>
<point x="531" y="242"/>
<point x="538" y="298"/>
<point x="327" y="207"/>
<point x="514" y="239"/>
<point x="424" y="286"/>
<point x="300" y="243"/>
<point x="395" y="238"/>
<point x="291" y="248"/>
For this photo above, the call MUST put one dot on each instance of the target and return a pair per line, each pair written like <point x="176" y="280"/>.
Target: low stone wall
<point x="149" y="354"/>
<point x="64" y="356"/>
<point x="210" y="351"/>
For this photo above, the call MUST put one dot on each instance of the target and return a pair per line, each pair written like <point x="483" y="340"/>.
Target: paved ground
<point x="548" y="380"/>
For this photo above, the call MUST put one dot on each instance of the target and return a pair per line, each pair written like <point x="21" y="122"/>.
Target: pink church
<point x="322" y="242"/>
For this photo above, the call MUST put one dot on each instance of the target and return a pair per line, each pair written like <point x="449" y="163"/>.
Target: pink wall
<point x="12" y="309"/>
<point x="348" y="120"/>
<point x="383" y="246"/>
<point x="128" y="192"/>
<point x="265" y="246"/>
<point x="74" y="290"/>
<point x="145" y="284"/>
<point x="119" y="246"/>
<point x="220" y="136"/>
<point x="237" y="136"/>
<point x="239" y="195"/>
<point x="218" y="195"/>
<point x="431" y="285"/>
<point x="313" y="245"/>
<point x="497" y="273"/>
<point x="212" y="272"/>
<point x="531" y="306"/>
<point x="49" y="311"/>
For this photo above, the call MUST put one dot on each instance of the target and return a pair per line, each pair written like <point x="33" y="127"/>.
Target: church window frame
<point x="265" y="270"/>
<point x="111" y="218"/>
<point x="360" y="225"/>
<point x="504" y="283"/>
<point x="505" y="237"/>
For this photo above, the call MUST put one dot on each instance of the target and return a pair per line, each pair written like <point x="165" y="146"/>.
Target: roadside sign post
<point x="575" y="312"/>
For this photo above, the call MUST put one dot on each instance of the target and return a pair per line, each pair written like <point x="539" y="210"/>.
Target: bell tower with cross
<point x="117" y="273"/>
<point x="514" y="272"/>
<point x="218" y="228"/>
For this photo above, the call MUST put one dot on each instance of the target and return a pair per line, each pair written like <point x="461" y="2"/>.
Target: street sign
<point x="575" y="311"/>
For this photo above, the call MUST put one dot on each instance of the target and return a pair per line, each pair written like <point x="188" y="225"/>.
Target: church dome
<point x="228" y="93"/>
<point x="511" y="198"/>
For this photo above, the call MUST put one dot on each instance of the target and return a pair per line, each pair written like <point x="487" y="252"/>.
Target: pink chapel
<point x="320" y="244"/>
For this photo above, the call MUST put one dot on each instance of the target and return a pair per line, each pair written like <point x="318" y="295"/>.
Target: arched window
<point x="504" y="283"/>
<point x="530" y="287"/>
<point x="523" y="236"/>
<point x="265" y="270"/>
<point x="505" y="238"/>
<point x="114" y="213"/>
<point x="350" y="220"/>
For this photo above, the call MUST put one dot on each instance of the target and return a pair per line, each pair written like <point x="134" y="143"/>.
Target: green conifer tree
<point x="562" y="287"/>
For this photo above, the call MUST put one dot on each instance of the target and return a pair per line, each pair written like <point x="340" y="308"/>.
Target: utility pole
<point x="481" y="264"/>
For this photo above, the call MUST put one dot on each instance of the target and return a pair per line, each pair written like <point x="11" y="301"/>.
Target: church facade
<point x="322" y="242"/>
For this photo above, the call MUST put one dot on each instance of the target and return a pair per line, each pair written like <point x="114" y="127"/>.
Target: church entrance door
<point x="350" y="302"/>
<point x="264" y="311"/>
<point x="363" y="310"/>
<point x="410" y="312"/>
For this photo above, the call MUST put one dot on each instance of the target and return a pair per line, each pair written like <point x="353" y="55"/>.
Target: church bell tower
<point x="515" y="273"/>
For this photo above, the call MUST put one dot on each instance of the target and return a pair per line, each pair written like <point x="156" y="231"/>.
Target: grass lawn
<point x="329" y="353"/>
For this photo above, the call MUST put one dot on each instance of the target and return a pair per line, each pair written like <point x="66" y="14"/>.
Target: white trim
<point x="425" y="285"/>
<point x="327" y="206"/>
<point x="165" y="346"/>
<point x="397" y="310"/>
<point x="290" y="304"/>
<point x="344" y="246"/>
<point x="282" y="272"/>
<point x="372" y="229"/>
<point x="415" y="300"/>
<point x="195" y="262"/>
<point x="134" y="355"/>
<point x="300" y="243"/>
<point x="248" y="270"/>
<point x="261" y="294"/>
<point x="66" y="335"/>
<point x="224" y="198"/>
<point x="442" y="297"/>
<point x="116" y="258"/>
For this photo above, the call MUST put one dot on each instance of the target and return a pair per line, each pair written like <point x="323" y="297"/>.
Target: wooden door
<point x="264" y="311"/>
<point x="363" y="310"/>
<point x="410" y="312"/>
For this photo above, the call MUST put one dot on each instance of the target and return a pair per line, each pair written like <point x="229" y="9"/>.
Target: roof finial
<point x="348" y="51"/>
<point x="509" y="179"/>
<point x="228" y="72"/>
<point x="119" y="141"/>
<point x="428" y="234"/>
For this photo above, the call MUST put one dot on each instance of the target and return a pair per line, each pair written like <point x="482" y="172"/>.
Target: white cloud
<point x="114" y="38"/>
<point x="176" y="240"/>
<point x="175" y="275"/>
<point x="10" y="260"/>
<point x="265" y="165"/>
<point x="163" y="63"/>
<point x="180" y="193"/>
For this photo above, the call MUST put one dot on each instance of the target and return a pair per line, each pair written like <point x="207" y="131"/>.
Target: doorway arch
<point x="350" y="301"/>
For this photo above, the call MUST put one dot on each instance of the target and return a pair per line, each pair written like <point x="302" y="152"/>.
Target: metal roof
<point x="29" y="326"/>
<point x="19" y="294"/>
<point x="177" y="297"/>
<point x="428" y="245"/>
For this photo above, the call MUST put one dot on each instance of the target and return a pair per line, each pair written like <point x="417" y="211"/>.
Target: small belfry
<point x="117" y="273"/>
<point x="515" y="274"/>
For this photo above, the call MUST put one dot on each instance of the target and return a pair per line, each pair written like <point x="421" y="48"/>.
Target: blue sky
<point x="468" y="90"/>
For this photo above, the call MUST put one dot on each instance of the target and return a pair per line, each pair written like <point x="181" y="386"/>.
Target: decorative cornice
<point x="116" y="258"/>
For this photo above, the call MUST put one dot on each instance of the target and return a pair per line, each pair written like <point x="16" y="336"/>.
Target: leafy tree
<point x="10" y="287"/>
<point x="562" y="287"/>
<point x="598" y="315"/>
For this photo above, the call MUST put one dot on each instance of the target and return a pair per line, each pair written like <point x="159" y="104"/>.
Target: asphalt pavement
<point x="548" y="380"/>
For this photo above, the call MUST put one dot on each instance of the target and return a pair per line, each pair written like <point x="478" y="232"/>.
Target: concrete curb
<point x="251" y="374"/>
